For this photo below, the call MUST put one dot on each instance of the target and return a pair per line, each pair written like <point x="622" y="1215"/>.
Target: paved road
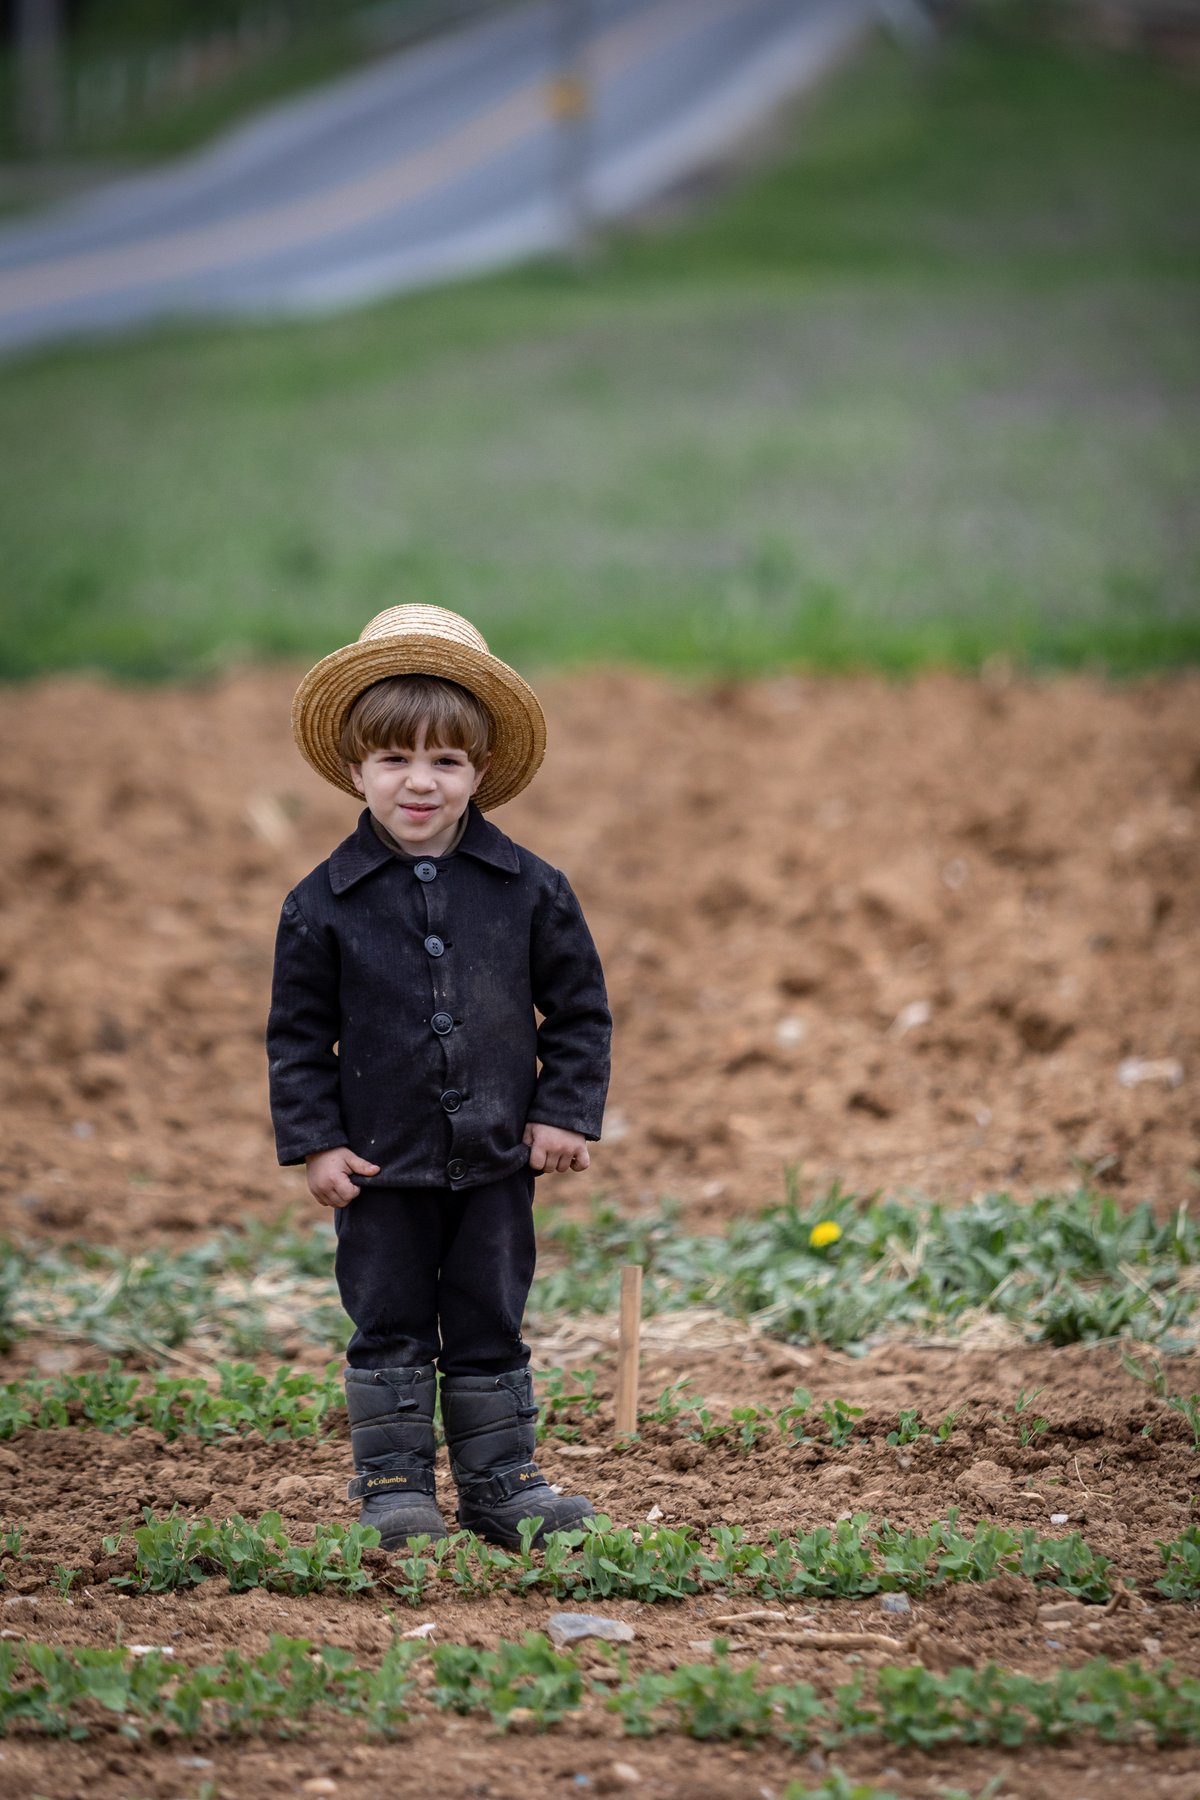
<point x="437" y="162"/>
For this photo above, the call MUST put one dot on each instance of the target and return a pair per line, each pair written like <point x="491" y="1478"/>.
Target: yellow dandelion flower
<point x="824" y="1233"/>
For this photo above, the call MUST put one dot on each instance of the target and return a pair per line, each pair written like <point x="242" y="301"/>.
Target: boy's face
<point x="420" y="793"/>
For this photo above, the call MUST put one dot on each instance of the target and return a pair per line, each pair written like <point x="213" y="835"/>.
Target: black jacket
<point x="402" y="1012"/>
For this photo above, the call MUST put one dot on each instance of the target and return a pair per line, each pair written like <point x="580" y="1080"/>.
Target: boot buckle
<point x="406" y="1481"/>
<point x="507" y="1485"/>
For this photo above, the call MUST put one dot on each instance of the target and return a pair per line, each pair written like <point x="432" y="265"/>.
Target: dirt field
<point x="904" y="935"/>
<point x="901" y="935"/>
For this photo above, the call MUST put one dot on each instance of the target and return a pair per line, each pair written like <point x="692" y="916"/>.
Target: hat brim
<point x="331" y="687"/>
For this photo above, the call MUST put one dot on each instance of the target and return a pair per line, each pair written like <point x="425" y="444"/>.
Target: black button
<point x="434" y="945"/>
<point x="456" y="1169"/>
<point x="425" y="871"/>
<point x="442" y="1023"/>
<point x="451" y="1100"/>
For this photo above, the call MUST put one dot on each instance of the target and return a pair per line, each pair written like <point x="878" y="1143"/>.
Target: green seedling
<point x="840" y="1419"/>
<point x="908" y="1429"/>
<point x="1028" y="1430"/>
<point x="670" y="1403"/>
<point x="64" y="1579"/>
<point x="791" y="1418"/>
<point x="1189" y="1407"/>
<point x="563" y="1390"/>
<point x="945" y="1430"/>
<point x="1180" y="1579"/>
<point x="751" y="1424"/>
<point x="1146" y="1369"/>
<point x="705" y="1428"/>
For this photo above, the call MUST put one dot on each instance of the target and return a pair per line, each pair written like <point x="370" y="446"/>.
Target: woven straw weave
<point x="422" y="640"/>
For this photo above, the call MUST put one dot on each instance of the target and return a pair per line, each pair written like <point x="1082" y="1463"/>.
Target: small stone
<point x="571" y="1628"/>
<point x="1137" y="1069"/>
<point x="1152" y="1646"/>
<point x="1062" y="1612"/>
<point x="624" y="1772"/>
<point x="894" y="1603"/>
<point x="319" y="1784"/>
<point x="194" y="1762"/>
<point x="655" y="1514"/>
<point x="1059" y="1518"/>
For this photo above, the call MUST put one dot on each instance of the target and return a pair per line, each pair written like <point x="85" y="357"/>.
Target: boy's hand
<point x="329" y="1173"/>
<point x="553" y="1151"/>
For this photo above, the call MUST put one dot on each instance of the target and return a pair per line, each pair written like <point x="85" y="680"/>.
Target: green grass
<point x="923" y="390"/>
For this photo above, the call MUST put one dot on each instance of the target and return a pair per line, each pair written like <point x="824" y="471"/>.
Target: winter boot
<point x="391" y="1431"/>
<point x="489" y="1431"/>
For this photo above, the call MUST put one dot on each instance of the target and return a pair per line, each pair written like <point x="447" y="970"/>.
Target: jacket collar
<point x="363" y="851"/>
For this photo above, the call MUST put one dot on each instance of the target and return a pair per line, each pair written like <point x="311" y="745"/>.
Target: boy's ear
<point x="356" y="776"/>
<point x="481" y="769"/>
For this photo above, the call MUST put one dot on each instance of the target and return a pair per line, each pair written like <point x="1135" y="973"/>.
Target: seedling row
<point x="294" y="1404"/>
<point x="70" y="1692"/>
<point x="598" y="1561"/>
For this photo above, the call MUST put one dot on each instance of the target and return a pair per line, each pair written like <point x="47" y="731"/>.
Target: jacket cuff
<point x="586" y="1128"/>
<point x="288" y="1154"/>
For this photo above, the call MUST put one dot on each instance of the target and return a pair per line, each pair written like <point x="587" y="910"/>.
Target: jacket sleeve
<point x="302" y="1029"/>
<point x="573" y="1041"/>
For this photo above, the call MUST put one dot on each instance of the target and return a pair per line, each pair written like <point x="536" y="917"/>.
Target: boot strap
<point x="497" y="1488"/>
<point x="409" y="1481"/>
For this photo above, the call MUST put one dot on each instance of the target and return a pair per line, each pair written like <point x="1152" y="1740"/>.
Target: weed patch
<point x="1062" y="1268"/>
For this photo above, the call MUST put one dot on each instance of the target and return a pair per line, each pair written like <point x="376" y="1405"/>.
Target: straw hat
<point x="422" y="640"/>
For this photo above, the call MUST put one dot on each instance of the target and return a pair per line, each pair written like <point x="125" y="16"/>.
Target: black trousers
<point x="431" y="1275"/>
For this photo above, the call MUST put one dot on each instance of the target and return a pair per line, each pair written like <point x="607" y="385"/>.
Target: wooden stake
<point x="629" y="1344"/>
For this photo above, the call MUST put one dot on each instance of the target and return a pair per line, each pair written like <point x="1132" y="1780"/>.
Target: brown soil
<point x="901" y="934"/>
<point x="904" y="935"/>
<point x="1122" y="1489"/>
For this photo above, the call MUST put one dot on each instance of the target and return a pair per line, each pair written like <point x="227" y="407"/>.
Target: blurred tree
<point x="37" y="29"/>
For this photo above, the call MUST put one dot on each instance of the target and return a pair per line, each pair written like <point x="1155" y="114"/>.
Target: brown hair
<point x="389" y="715"/>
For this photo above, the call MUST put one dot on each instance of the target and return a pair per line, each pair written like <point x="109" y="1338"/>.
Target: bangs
<point x="390" y="714"/>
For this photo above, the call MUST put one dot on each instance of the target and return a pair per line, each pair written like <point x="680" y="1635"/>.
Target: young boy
<point x="404" y="1062"/>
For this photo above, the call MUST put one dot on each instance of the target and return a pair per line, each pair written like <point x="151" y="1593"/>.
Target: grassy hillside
<point x="922" y="388"/>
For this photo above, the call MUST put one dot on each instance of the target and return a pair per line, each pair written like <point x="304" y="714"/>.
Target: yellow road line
<point x="308" y="218"/>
